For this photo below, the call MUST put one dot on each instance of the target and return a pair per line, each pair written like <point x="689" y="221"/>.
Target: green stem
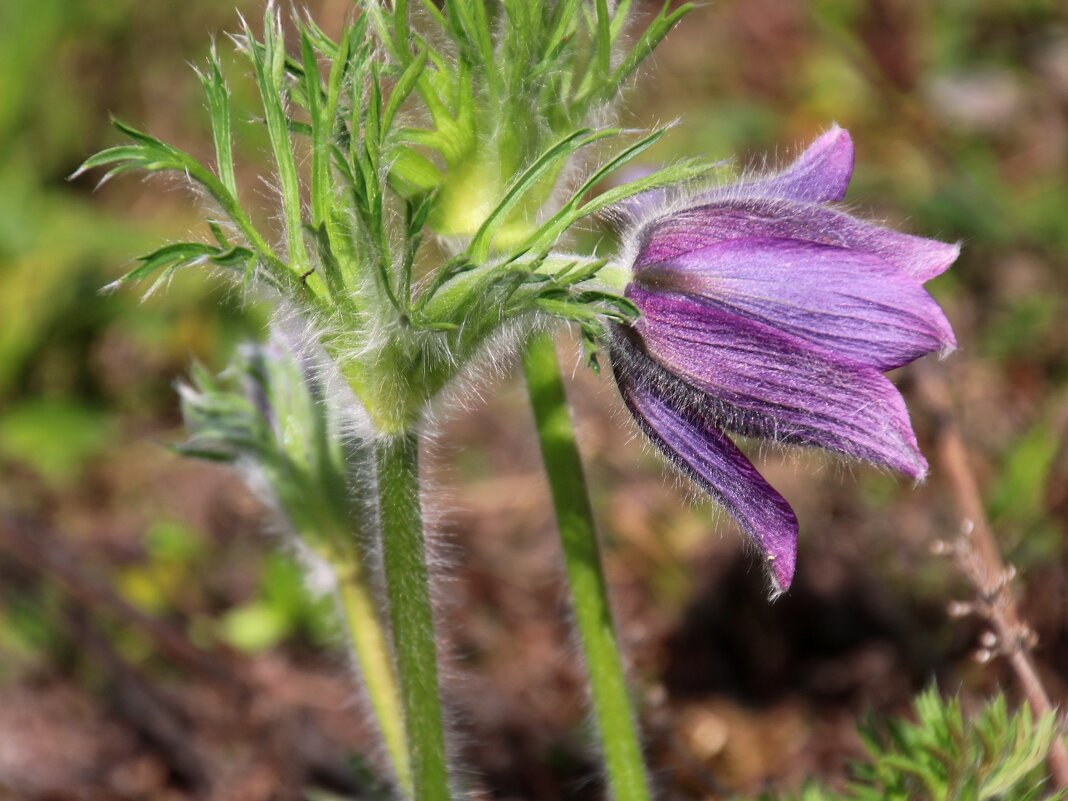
<point x="371" y="650"/>
<point x="611" y="704"/>
<point x="410" y="613"/>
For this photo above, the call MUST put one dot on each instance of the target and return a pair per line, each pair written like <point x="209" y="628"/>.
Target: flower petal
<point x="667" y="238"/>
<point x="819" y="175"/>
<point x="849" y="302"/>
<point x="770" y="384"/>
<point x="690" y="441"/>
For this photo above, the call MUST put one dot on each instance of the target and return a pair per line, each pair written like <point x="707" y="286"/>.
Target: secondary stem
<point x="410" y="613"/>
<point x="376" y="668"/>
<point x="611" y="704"/>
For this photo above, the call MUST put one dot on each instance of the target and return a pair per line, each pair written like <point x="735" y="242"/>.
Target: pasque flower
<point x="767" y="312"/>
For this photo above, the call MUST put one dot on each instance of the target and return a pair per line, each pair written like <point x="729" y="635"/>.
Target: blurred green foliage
<point x="282" y="608"/>
<point x="78" y="368"/>
<point x="63" y="380"/>
<point x="945" y="755"/>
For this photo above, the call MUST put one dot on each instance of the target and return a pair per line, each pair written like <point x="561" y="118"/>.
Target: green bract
<point x="464" y="123"/>
<point x="500" y="89"/>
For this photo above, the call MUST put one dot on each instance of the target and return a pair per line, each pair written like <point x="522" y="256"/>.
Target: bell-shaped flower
<point x="767" y="312"/>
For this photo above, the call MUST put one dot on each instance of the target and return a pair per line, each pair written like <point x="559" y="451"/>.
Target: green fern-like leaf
<point x="945" y="755"/>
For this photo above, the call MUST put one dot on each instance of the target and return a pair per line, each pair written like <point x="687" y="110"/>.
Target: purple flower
<point x="768" y="313"/>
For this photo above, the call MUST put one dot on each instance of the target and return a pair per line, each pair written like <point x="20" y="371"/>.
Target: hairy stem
<point x="371" y="650"/>
<point x="611" y="704"/>
<point x="410" y="613"/>
<point x="977" y="555"/>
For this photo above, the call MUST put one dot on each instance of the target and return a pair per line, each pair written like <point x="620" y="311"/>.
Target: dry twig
<point x="975" y="552"/>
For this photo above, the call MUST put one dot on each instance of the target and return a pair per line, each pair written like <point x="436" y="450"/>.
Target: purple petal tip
<point x="781" y="567"/>
<point x="675" y="418"/>
<point x="821" y="174"/>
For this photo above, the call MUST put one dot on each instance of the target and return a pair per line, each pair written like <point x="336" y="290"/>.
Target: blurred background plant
<point x="153" y="644"/>
<point x="990" y="754"/>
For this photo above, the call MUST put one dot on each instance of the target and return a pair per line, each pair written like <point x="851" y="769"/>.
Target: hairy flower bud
<point x="270" y="415"/>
